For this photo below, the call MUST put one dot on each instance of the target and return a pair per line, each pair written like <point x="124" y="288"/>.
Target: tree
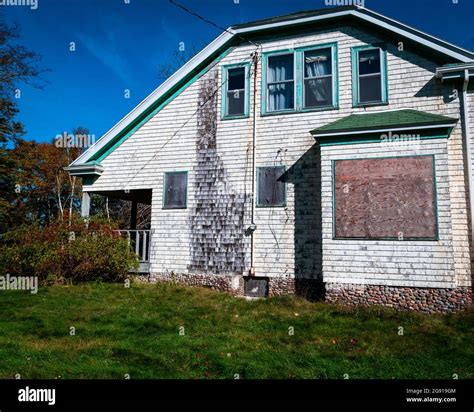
<point x="17" y="64"/>
<point x="176" y="61"/>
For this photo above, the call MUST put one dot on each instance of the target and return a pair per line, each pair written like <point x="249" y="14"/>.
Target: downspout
<point x="254" y="135"/>
<point x="467" y="132"/>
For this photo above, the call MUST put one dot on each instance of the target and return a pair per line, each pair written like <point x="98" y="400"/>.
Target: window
<point x="280" y="83"/>
<point x="318" y="81"/>
<point x="369" y="76"/>
<point x="235" y="100"/>
<point x="385" y="198"/>
<point x="175" y="190"/>
<point x="300" y="80"/>
<point x="271" y="187"/>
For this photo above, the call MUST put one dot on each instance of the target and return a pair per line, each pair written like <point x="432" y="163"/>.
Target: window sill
<point x="316" y="109"/>
<point x="270" y="206"/>
<point x="362" y="105"/>
<point x="244" y="116"/>
<point x="175" y="208"/>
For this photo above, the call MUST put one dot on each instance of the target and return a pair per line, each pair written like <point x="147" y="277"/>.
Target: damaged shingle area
<point x="218" y="243"/>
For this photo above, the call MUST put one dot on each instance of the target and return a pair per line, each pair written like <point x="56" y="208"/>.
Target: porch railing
<point x="139" y="241"/>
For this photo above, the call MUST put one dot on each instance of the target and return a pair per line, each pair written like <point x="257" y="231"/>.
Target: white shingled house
<point x="326" y="153"/>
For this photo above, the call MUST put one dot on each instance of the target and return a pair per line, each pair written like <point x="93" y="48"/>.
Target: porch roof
<point x="404" y="119"/>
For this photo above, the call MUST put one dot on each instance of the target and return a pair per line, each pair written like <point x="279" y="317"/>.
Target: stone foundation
<point x="429" y="300"/>
<point x="223" y="283"/>
<point x="312" y="289"/>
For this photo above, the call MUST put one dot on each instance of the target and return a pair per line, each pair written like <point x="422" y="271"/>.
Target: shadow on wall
<point x="305" y="175"/>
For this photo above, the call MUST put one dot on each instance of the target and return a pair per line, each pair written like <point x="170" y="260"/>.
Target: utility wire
<point x="193" y="13"/>
<point x="251" y="71"/>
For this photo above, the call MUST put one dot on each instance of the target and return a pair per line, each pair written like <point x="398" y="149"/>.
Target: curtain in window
<point x="318" y="64"/>
<point x="280" y="83"/>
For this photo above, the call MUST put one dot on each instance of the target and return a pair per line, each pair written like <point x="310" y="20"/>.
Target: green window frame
<point x="225" y="91"/>
<point x="260" y="203"/>
<point x="299" y="79"/>
<point x="356" y="77"/>
<point x="166" y="177"/>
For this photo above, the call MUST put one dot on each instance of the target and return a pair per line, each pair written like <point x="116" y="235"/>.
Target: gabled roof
<point x="235" y="34"/>
<point x="404" y="119"/>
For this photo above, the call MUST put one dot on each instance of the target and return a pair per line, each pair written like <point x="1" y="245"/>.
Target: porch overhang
<point x="384" y="126"/>
<point x="143" y="196"/>
<point x="92" y="169"/>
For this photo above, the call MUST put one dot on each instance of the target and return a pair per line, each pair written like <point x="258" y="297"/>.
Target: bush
<point x="61" y="252"/>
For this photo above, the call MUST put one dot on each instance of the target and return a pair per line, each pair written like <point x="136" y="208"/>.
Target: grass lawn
<point x="136" y="331"/>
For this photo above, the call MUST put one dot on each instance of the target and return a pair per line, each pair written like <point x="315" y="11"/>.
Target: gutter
<point x="467" y="131"/>
<point x="463" y="71"/>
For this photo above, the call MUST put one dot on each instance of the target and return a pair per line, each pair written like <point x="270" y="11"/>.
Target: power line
<point x="255" y="58"/>
<point x="182" y="126"/>
<point x="193" y="13"/>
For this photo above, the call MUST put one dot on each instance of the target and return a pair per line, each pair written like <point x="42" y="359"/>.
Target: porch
<point x="138" y="233"/>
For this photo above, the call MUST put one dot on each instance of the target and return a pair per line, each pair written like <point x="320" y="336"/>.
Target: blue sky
<point x="121" y="46"/>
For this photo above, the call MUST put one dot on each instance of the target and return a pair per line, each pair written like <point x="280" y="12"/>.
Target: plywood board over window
<point x="385" y="198"/>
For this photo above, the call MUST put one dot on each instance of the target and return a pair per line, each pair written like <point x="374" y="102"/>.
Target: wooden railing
<point x="139" y="241"/>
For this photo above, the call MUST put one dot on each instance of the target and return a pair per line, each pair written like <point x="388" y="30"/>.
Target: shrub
<point x="61" y="252"/>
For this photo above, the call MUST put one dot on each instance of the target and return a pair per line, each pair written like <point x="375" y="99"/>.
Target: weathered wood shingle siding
<point x="288" y="240"/>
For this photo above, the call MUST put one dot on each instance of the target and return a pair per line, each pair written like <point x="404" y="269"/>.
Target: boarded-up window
<point x="175" y="190"/>
<point x="271" y="188"/>
<point x="385" y="198"/>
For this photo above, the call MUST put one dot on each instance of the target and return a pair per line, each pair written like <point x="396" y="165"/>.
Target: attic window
<point x="235" y="101"/>
<point x="271" y="187"/>
<point x="175" y="190"/>
<point x="369" y="76"/>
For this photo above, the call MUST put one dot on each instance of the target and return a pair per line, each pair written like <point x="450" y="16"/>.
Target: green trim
<point x="225" y="78"/>
<point x="298" y="61"/>
<point x="355" y="75"/>
<point x="89" y="180"/>
<point x="348" y="139"/>
<point x="258" y="205"/>
<point x="165" y="174"/>
<point x="412" y="239"/>
<point x="134" y="125"/>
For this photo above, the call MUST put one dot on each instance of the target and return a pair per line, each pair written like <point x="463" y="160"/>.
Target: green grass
<point x="136" y="331"/>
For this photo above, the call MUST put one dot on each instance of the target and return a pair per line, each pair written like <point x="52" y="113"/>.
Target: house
<point x="326" y="153"/>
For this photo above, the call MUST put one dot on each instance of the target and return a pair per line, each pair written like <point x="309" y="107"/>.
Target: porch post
<point x="133" y="216"/>
<point x="85" y="204"/>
